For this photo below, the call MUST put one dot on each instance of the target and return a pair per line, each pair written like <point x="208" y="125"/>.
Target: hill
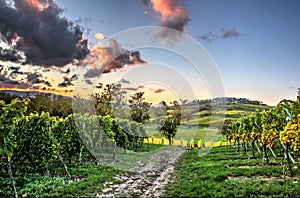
<point x="197" y="125"/>
<point x="31" y="94"/>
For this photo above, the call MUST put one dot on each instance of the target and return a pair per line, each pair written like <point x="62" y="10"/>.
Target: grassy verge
<point x="226" y="173"/>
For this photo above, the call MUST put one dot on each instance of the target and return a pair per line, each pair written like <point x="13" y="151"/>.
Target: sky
<point x="254" y="44"/>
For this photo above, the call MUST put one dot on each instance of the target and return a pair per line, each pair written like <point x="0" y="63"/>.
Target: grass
<point x="226" y="173"/>
<point x="87" y="179"/>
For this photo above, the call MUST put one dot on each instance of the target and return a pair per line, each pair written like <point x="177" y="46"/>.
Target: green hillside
<point x="197" y="126"/>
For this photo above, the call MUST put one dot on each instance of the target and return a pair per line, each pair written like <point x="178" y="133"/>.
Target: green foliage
<point x="54" y="105"/>
<point x="36" y="143"/>
<point x="66" y="136"/>
<point x="111" y="100"/>
<point x="9" y="115"/>
<point x="139" y="109"/>
<point x="171" y="122"/>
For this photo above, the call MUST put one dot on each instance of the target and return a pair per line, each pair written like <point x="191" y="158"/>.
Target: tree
<point x="171" y="122"/>
<point x="139" y="108"/>
<point x="54" y="104"/>
<point x="111" y="101"/>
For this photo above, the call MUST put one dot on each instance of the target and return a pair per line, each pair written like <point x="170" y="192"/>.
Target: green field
<point x="197" y="126"/>
<point x="224" y="172"/>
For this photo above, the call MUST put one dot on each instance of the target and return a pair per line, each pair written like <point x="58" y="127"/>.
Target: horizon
<point x="9" y="91"/>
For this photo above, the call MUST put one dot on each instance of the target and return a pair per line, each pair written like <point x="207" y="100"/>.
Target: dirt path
<point x="146" y="179"/>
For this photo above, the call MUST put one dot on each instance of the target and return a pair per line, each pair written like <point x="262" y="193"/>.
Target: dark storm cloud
<point x="40" y="33"/>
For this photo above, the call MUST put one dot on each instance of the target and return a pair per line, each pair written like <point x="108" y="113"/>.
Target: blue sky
<point x="258" y="58"/>
<point x="263" y="63"/>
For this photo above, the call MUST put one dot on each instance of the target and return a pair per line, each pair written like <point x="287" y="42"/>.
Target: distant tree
<point x="110" y="101"/>
<point x="139" y="108"/>
<point x="158" y="112"/>
<point x="6" y="97"/>
<point x="55" y="105"/>
<point x="61" y="106"/>
<point x="171" y="122"/>
<point x="41" y="102"/>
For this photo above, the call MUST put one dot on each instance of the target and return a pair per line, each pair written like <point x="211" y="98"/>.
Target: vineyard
<point x="275" y="128"/>
<point x="54" y="155"/>
<point x="40" y="143"/>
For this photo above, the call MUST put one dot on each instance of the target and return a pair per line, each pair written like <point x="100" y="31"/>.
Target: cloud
<point x="48" y="83"/>
<point x="172" y="13"/>
<point x="8" y="81"/>
<point x="92" y="73"/>
<point x="12" y="55"/>
<point x="99" y="86"/>
<point x="68" y="81"/>
<point x="99" y="36"/>
<point x="15" y="71"/>
<point x="110" y="58"/>
<point x="33" y="78"/>
<point x="66" y="72"/>
<point x="73" y="77"/>
<point x="209" y="37"/>
<point x="35" y="33"/>
<point x="124" y="81"/>
<point x="292" y="87"/>
<point x="158" y="90"/>
<point x="224" y="34"/>
<point x="230" y="34"/>
<point x="88" y="81"/>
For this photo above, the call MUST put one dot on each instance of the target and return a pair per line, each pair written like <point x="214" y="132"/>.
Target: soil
<point x="146" y="179"/>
